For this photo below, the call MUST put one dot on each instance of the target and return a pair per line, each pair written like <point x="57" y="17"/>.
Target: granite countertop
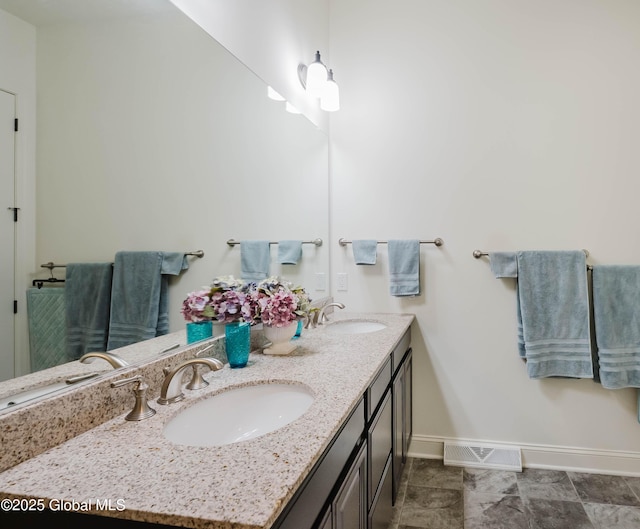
<point x="245" y="485"/>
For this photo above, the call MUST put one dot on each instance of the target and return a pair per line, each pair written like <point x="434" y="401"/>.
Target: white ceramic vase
<point x="280" y="338"/>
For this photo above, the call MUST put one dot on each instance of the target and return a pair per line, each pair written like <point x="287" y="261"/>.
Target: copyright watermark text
<point x="33" y="504"/>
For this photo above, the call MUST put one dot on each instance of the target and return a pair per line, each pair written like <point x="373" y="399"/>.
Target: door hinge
<point x="15" y="213"/>
<point x="15" y="306"/>
<point x="15" y="125"/>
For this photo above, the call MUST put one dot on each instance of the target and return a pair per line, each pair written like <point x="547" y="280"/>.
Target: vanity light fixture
<point x="318" y="82"/>
<point x="330" y="100"/>
<point x="316" y="77"/>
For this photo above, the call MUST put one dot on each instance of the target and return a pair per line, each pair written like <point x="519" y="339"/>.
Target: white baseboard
<point x="571" y="459"/>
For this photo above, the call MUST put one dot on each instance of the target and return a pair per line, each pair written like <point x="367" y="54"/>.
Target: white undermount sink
<point x="355" y="326"/>
<point x="239" y="414"/>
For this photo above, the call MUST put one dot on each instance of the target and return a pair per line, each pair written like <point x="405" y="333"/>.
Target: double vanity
<point x="315" y="439"/>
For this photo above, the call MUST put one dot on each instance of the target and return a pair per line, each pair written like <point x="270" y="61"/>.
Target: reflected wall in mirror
<point x="151" y="136"/>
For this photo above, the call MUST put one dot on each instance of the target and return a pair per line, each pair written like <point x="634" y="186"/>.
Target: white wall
<point x="18" y="76"/>
<point x="496" y="125"/>
<point x="272" y="38"/>
<point x="151" y="136"/>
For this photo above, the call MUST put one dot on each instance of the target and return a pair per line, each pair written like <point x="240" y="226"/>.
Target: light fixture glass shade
<point x="291" y="109"/>
<point x="330" y="100"/>
<point x="316" y="77"/>
<point x="272" y="94"/>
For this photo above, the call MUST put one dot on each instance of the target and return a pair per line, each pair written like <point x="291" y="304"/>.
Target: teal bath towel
<point x="139" y="296"/>
<point x="503" y="264"/>
<point x="404" y="267"/>
<point x="365" y="251"/>
<point x="289" y="252"/>
<point x="88" y="302"/>
<point x="554" y="314"/>
<point x="255" y="259"/>
<point x="616" y="309"/>
<point x="47" y="332"/>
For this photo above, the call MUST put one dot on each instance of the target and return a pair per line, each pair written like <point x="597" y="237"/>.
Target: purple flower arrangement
<point x="272" y="302"/>
<point x="196" y="307"/>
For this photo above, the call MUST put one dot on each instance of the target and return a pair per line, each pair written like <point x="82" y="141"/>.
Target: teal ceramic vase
<point x="237" y="343"/>
<point x="198" y="330"/>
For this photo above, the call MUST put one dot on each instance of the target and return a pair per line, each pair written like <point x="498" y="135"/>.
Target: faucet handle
<point x="141" y="409"/>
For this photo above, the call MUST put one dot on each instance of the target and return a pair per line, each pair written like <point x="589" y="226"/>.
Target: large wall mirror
<point x="151" y="136"/>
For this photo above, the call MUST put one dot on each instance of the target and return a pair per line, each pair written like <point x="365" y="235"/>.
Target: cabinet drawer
<point x="377" y="388"/>
<point x="380" y="440"/>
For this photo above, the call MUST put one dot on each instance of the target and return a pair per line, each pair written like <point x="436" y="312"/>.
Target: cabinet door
<point x="327" y="520"/>
<point x="349" y="505"/>
<point x="380" y="439"/>
<point x="407" y="418"/>
<point x="402" y="418"/>
<point x="382" y="509"/>
<point x="398" y="412"/>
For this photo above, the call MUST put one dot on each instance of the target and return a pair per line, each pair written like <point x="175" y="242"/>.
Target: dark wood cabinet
<point x="402" y="386"/>
<point x="379" y="439"/>
<point x="350" y="504"/>
<point x="381" y="510"/>
<point x="354" y="485"/>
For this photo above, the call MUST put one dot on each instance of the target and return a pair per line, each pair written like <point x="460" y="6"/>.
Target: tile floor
<point x="435" y="496"/>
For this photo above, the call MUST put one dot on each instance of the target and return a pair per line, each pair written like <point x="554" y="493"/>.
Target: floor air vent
<point x="482" y="456"/>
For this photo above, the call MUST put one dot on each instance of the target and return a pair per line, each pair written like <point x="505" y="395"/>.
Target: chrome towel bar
<point x="317" y="242"/>
<point x="479" y="253"/>
<point x="50" y="265"/>
<point x="438" y="242"/>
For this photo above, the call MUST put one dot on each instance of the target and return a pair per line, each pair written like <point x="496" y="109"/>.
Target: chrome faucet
<point x="171" y="390"/>
<point x="322" y="317"/>
<point x="112" y="358"/>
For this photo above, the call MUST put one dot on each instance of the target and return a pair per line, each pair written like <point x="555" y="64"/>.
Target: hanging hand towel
<point x="364" y="251"/>
<point x="289" y="252"/>
<point x="173" y="263"/>
<point x="616" y="309"/>
<point x="47" y="332"/>
<point x="503" y="264"/>
<point x="139" y="295"/>
<point x="404" y="267"/>
<point x="554" y="313"/>
<point x="255" y="259"/>
<point x="88" y="303"/>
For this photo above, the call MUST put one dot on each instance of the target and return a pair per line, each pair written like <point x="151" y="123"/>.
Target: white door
<point x="7" y="233"/>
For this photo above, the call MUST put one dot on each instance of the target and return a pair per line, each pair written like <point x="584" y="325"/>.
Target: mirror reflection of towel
<point x="139" y="295"/>
<point x="47" y="334"/>
<point x="88" y="302"/>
